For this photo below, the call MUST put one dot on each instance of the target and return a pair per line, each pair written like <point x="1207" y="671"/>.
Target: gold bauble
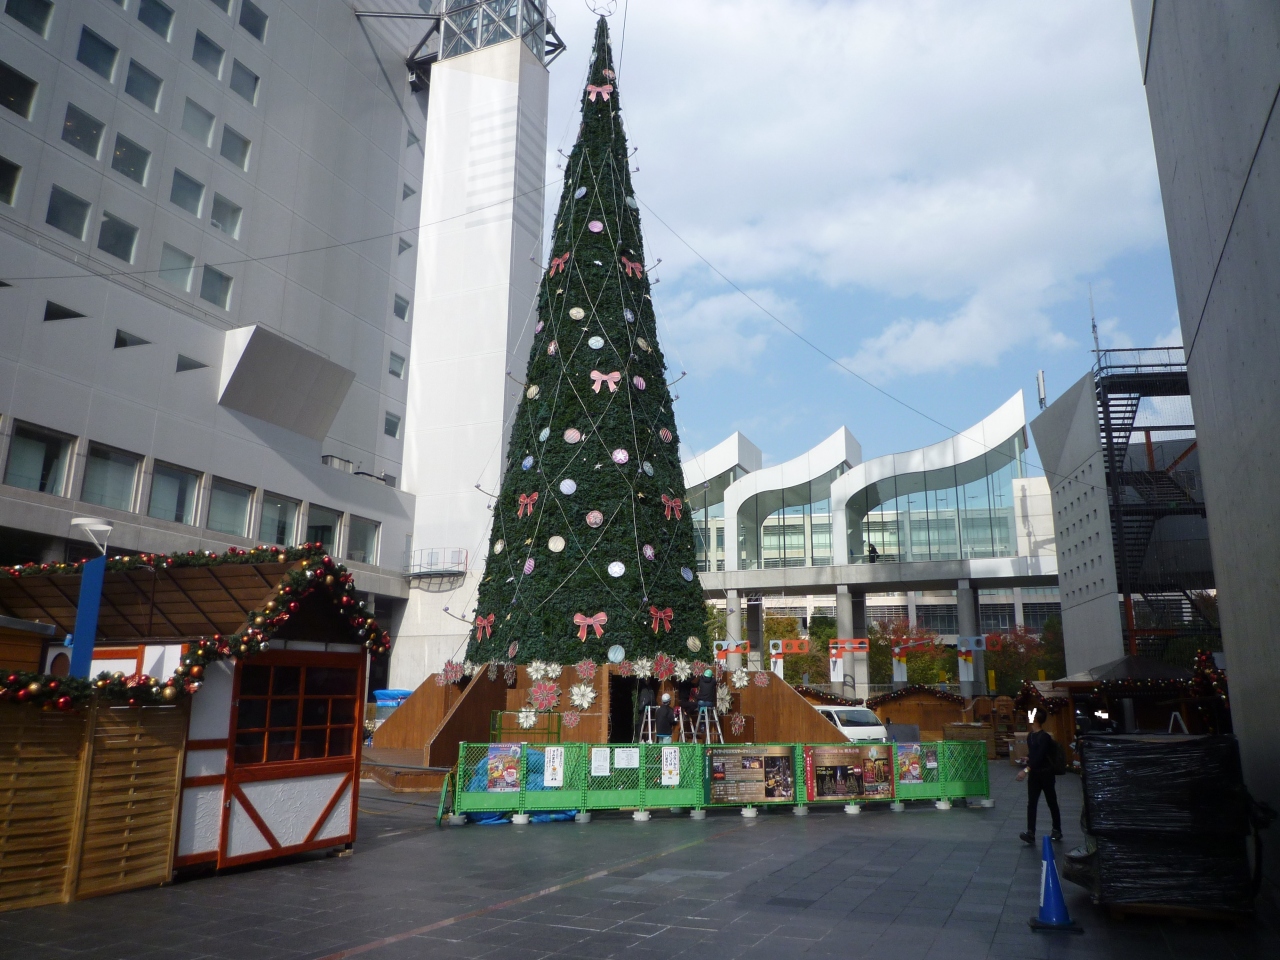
<point x="169" y="693"/>
<point x="34" y="687"/>
<point x="328" y="581"/>
<point x="258" y="621"/>
<point x="271" y="605"/>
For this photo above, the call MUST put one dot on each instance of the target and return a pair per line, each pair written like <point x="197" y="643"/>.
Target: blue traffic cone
<point x="1053" y="908"/>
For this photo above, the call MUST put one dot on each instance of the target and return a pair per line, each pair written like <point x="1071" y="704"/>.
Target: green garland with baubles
<point x="316" y="571"/>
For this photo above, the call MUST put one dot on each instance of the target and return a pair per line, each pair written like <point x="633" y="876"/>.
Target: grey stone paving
<point x="920" y="885"/>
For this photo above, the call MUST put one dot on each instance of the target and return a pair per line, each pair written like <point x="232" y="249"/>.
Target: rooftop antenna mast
<point x="1093" y="322"/>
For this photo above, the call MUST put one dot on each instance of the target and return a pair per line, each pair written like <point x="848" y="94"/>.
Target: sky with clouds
<point x="925" y="190"/>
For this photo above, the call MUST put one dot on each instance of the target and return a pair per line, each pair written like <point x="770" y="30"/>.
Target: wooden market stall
<point x="261" y="760"/>
<point x="928" y="708"/>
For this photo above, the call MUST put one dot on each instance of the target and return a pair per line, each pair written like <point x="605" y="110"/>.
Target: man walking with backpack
<point x="1043" y="756"/>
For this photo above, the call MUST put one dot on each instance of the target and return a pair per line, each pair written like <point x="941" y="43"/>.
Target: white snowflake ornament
<point x="643" y="667"/>
<point x="527" y="717"/>
<point x="724" y="699"/>
<point x="582" y="695"/>
<point x="684" y="670"/>
<point x="740" y="678"/>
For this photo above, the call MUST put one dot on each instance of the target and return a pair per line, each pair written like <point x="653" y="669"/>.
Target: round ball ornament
<point x="687" y="574"/>
<point x="579" y="193"/>
<point x="568" y="486"/>
<point x="533" y="391"/>
<point x="499" y="546"/>
<point x="595" y="226"/>
<point x="595" y="343"/>
<point x="665" y="435"/>
<point x="511" y="650"/>
<point x="552" y="347"/>
<point x="617" y="568"/>
<point x="643" y="344"/>
<point x="526" y="463"/>
<point x="694" y="644"/>
<point x="556" y="544"/>
<point x="577" y="313"/>
<point x="595" y="519"/>
<point x="648" y="552"/>
<point x="647" y="467"/>
<point x="543" y="434"/>
<point x="620" y="456"/>
<point x="617" y="654"/>
<point x="528" y="566"/>
<point x="631" y="202"/>
<point x="639" y="382"/>
<point x="627" y="315"/>
<point x="537" y="327"/>
<point x="572" y="435"/>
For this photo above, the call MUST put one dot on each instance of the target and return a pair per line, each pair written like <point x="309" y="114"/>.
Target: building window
<point x="322" y="526"/>
<point x="244" y="81"/>
<point x="253" y="19"/>
<point x="130" y="159"/>
<point x="215" y="286"/>
<point x="56" y="311"/>
<point x="126" y="339"/>
<point x="391" y="425"/>
<point x="404" y="245"/>
<point x="407" y="192"/>
<point x="400" y="307"/>
<point x="143" y="85"/>
<point x="186" y="363"/>
<point x="176" y="267"/>
<point x="109" y="478"/>
<point x="157" y="16"/>
<point x="279" y="517"/>
<point x="362" y="541"/>
<point x="186" y="192"/>
<point x="82" y="131"/>
<point x="223" y="5"/>
<point x="286" y="713"/>
<point x="96" y="54"/>
<point x="9" y="172"/>
<point x="117" y="237"/>
<point x="198" y="122"/>
<point x="37" y="460"/>
<point x="208" y="54"/>
<point x="396" y="366"/>
<point x="67" y="212"/>
<point x="235" y="148"/>
<point x="32" y="14"/>
<point x="226" y="216"/>
<point x="17" y="90"/>
<point x="229" y="508"/>
<point x="173" y="494"/>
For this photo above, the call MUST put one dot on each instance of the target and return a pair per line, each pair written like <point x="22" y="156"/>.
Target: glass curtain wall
<point x="789" y="527"/>
<point x="706" y="506"/>
<point x="961" y="512"/>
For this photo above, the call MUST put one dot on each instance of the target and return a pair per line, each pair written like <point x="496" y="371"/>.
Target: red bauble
<point x="64" y="702"/>
<point x="293" y="606"/>
<point x="53" y="685"/>
<point x="22" y="696"/>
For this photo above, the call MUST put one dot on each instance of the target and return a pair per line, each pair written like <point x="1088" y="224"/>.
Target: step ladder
<point x="647" y="728"/>
<point x="702" y="727"/>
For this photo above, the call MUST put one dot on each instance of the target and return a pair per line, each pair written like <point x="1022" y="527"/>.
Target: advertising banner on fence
<point x="504" y="768"/>
<point x="849" y="771"/>
<point x="553" y="770"/>
<point x="914" y="760"/>
<point x="751" y="774"/>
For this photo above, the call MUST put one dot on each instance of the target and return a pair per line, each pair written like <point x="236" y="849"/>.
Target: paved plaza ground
<point x="914" y="886"/>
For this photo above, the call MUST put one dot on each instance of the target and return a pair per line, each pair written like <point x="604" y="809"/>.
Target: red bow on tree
<point x="558" y="263"/>
<point x="484" y="625"/>
<point x="596" y="622"/>
<point x="604" y="91"/>
<point x="661" y="616"/>
<point x="598" y="379"/>
<point x="632" y="269"/>
<point x="527" y="500"/>
<point x="672" y="504"/>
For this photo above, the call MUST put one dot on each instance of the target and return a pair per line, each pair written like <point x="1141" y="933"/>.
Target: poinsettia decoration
<point x="526" y="718"/>
<point x="698" y="668"/>
<point x="625" y="669"/>
<point x="545" y="695"/>
<point x="452" y="672"/>
<point x="570" y="718"/>
<point x="739" y="678"/>
<point x="663" y="667"/>
<point x="683" y="670"/>
<point x="724" y="699"/>
<point x="586" y="669"/>
<point x="643" y="668"/>
<point x="509" y="674"/>
<point x="582" y="695"/>
<point x="737" y="723"/>
<point x="761" y="678"/>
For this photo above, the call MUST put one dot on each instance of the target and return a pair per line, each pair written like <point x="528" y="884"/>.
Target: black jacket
<point x="646" y="697"/>
<point x="707" y="689"/>
<point x="664" y="719"/>
<point x="1040" y="747"/>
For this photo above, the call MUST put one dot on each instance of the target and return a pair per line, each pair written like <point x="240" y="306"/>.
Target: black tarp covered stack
<point x="1168" y="818"/>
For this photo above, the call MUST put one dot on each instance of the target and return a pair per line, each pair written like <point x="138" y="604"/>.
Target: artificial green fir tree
<point x="592" y="544"/>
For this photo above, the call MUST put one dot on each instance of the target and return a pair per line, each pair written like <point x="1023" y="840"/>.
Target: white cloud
<point x="707" y="333"/>
<point x="972" y="159"/>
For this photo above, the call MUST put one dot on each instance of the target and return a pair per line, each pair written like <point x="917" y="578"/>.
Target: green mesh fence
<point x="514" y="777"/>
<point x="965" y="772"/>
<point x="673" y="775"/>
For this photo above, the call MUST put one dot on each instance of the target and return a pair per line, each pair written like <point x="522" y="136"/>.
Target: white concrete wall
<point x="478" y="272"/>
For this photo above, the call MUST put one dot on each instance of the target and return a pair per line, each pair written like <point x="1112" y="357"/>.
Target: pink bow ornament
<point x="598" y="379"/>
<point x="604" y="91"/>
<point x="595" y="622"/>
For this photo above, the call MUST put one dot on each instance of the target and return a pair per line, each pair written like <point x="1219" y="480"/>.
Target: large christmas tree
<point x="592" y="543"/>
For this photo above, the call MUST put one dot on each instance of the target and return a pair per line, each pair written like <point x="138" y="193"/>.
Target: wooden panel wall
<point x="131" y="822"/>
<point x="467" y="719"/>
<point x="41" y="755"/>
<point x="411" y="725"/>
<point x="783" y="716"/>
<point x="926" y="711"/>
<point x="20" y="650"/>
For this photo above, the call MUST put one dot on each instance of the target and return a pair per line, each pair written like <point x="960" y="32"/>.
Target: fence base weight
<point x="750" y="812"/>
<point x="852" y="808"/>
<point x="942" y="804"/>
<point x="897" y="806"/>
<point x="697" y="814"/>
<point x="800" y="810"/>
<point x="640" y="816"/>
<point x="583" y="817"/>
<point x="520" y="818"/>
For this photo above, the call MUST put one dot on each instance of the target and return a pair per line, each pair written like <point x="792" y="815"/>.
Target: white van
<point x="856" y="723"/>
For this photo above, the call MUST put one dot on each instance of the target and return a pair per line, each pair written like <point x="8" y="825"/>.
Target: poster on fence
<point x="850" y="772"/>
<point x="553" y="768"/>
<point x="504" y="768"/>
<point x="911" y="763"/>
<point x="600" y="761"/>
<point x="752" y="774"/>
<point x="671" y="766"/>
<point x="626" y="758"/>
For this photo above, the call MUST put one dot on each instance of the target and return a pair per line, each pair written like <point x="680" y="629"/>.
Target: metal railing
<point x="437" y="562"/>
